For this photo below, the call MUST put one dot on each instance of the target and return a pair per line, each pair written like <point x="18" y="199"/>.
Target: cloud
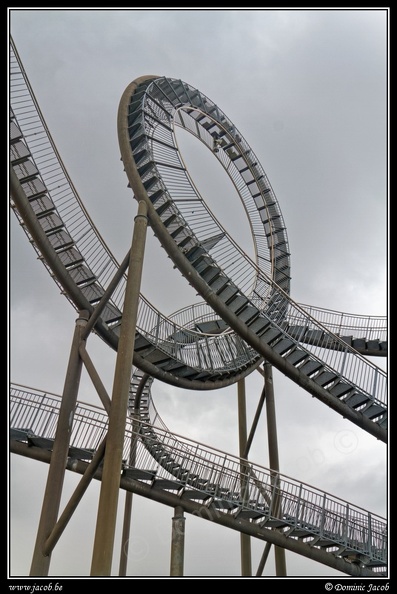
<point x="307" y="89"/>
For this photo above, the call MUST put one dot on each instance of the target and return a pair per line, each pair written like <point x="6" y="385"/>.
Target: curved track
<point x="208" y="483"/>
<point x="247" y="315"/>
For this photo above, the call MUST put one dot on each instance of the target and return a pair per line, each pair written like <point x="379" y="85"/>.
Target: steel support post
<point x="279" y="552"/>
<point x="125" y="537"/>
<point x="75" y="499"/>
<point x="177" y="543"/>
<point x="56" y="472"/>
<point x="263" y="560"/>
<point x="108" y="499"/>
<point x="245" y="540"/>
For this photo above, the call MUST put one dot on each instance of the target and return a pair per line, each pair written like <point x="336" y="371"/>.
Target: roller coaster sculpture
<point x="247" y="318"/>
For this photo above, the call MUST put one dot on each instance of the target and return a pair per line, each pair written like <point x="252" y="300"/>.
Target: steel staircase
<point x="251" y="316"/>
<point x="218" y="482"/>
<point x="181" y="355"/>
<point x="151" y="108"/>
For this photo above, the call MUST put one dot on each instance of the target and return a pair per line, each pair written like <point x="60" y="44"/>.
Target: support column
<point x="245" y="541"/>
<point x="279" y="552"/>
<point x="108" y="500"/>
<point x="56" y="473"/>
<point x="75" y="499"/>
<point x="263" y="560"/>
<point x="177" y="543"/>
<point x="125" y="537"/>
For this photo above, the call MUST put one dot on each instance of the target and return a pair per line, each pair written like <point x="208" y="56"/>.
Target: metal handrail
<point x="214" y="473"/>
<point x="227" y="351"/>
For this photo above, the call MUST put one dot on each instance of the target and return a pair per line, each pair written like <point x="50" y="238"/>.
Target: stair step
<point x="210" y="274"/>
<point x="259" y="325"/>
<point x="311" y="367"/>
<point x="325" y="542"/>
<point x="314" y="336"/>
<point x="194" y="494"/>
<point x="373" y="345"/>
<point x="166" y="484"/>
<point x="297" y="332"/>
<point x="296" y="356"/>
<point x="359" y="344"/>
<point x="298" y="532"/>
<point x="270" y="334"/>
<point x="340" y="389"/>
<point x="219" y="283"/>
<point x="156" y="357"/>
<point x="325" y="377"/>
<point x="139" y="474"/>
<point x="227" y="292"/>
<point x="80" y="453"/>
<point x="374" y="410"/>
<point x="237" y="304"/>
<point x="41" y="442"/>
<point x="276" y="523"/>
<point x="224" y="504"/>
<point x="248" y="313"/>
<point x="356" y="400"/>
<point x="283" y="345"/>
<point x="252" y="514"/>
<point x="20" y="434"/>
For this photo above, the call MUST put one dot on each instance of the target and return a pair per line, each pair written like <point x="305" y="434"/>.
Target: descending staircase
<point x="248" y="314"/>
<point x="273" y="325"/>
<point x="224" y="488"/>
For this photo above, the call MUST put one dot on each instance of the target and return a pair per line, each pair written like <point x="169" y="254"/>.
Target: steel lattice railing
<point x="215" y="474"/>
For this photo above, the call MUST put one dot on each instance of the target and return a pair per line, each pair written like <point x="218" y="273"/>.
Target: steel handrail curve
<point x="374" y="378"/>
<point x="105" y="263"/>
<point x="340" y="323"/>
<point x="215" y="473"/>
<point x="302" y="514"/>
<point x="150" y="320"/>
<point x="142" y="137"/>
<point x="175" y="351"/>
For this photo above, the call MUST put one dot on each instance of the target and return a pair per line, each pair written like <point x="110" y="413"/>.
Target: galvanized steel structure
<point x="247" y="318"/>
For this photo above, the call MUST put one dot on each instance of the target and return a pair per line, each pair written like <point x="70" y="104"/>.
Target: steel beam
<point x="56" y="473"/>
<point x="108" y="499"/>
<point x="199" y="510"/>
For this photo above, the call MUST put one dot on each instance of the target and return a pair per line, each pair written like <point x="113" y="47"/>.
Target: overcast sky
<point x="308" y="91"/>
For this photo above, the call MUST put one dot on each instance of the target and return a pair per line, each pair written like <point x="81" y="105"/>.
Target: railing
<point x="224" y="352"/>
<point x="151" y="323"/>
<point x="215" y="473"/>
<point x="146" y="133"/>
<point x="347" y="324"/>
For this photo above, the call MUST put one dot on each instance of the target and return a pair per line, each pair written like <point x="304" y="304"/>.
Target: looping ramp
<point x="247" y="314"/>
<point x="252" y="298"/>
